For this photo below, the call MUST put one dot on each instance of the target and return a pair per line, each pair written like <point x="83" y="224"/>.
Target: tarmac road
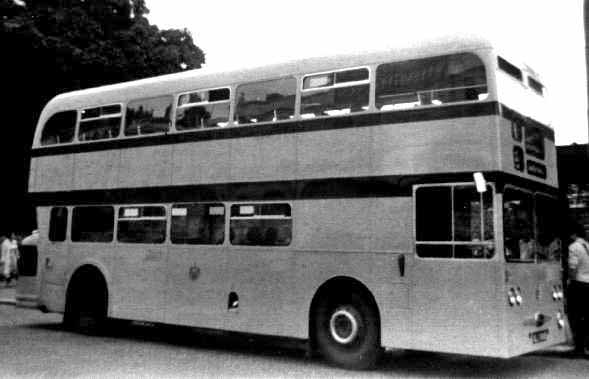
<point x="34" y="344"/>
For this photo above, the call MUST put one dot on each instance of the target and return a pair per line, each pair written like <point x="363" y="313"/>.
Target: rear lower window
<point x="58" y="224"/>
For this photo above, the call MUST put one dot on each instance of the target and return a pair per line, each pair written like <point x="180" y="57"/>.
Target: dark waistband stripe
<point x="335" y="188"/>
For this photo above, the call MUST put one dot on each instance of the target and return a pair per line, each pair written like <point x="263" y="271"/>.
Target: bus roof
<point x="211" y="78"/>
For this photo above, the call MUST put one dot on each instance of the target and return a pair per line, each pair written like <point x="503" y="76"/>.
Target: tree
<point x="54" y="46"/>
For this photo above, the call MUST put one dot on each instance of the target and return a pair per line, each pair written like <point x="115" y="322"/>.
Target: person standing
<point x="5" y="259"/>
<point x="578" y="289"/>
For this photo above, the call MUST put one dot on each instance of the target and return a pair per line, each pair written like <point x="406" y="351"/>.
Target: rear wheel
<point x="347" y="331"/>
<point x="86" y="305"/>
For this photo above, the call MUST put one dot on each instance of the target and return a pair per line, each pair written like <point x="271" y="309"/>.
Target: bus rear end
<point x="27" y="287"/>
<point x="533" y="290"/>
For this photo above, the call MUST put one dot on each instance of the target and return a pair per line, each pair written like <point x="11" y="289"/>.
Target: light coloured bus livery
<point x="330" y="200"/>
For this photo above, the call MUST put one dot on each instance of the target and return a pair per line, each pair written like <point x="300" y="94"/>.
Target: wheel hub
<point x="343" y="326"/>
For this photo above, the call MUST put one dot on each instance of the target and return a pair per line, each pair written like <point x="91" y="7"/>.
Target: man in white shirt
<point x="578" y="291"/>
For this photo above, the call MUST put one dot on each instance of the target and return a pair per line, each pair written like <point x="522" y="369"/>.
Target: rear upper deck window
<point x="536" y="85"/>
<point x="509" y="68"/>
<point x="59" y="128"/>
<point x="335" y="93"/>
<point x="430" y="81"/>
<point x="148" y="116"/>
<point x="203" y="109"/>
<point x="100" y="123"/>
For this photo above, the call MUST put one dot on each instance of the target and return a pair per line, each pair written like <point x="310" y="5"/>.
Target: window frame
<point x="296" y="104"/>
<point x="493" y="244"/>
<point x="229" y="218"/>
<point x="176" y="107"/>
<point x="209" y="203"/>
<point x="67" y="224"/>
<point x="165" y="218"/>
<point x="123" y="131"/>
<point x="71" y="223"/>
<point x="121" y="115"/>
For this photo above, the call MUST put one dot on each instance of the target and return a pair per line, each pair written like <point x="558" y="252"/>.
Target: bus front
<point x="530" y="217"/>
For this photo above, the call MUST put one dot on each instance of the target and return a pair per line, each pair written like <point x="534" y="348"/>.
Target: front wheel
<point x="85" y="309"/>
<point x="347" y="331"/>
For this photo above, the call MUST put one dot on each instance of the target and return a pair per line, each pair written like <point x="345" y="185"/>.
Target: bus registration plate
<point x="539" y="336"/>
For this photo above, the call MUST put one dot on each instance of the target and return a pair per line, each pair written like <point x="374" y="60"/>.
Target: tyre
<point x="347" y="331"/>
<point x="86" y="306"/>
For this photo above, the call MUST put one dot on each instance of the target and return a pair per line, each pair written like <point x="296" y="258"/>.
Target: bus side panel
<point x="54" y="173"/>
<point x="202" y="162"/>
<point x="261" y="158"/>
<point x="97" y="170"/>
<point x="435" y="146"/>
<point x="334" y="238"/>
<point x="146" y="167"/>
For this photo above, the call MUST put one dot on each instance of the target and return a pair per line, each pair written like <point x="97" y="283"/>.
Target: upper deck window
<point x="203" y="109"/>
<point x="510" y="69"/>
<point x="266" y="101"/>
<point x="59" y="128"/>
<point x="536" y="85"/>
<point x="430" y="81"/>
<point x="335" y="93"/>
<point x="147" y="116"/>
<point x="100" y="122"/>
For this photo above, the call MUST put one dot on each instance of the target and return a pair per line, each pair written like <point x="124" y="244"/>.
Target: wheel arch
<point x="89" y="269"/>
<point x="338" y="283"/>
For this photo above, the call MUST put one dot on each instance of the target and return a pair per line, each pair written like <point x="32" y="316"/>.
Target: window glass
<point x="430" y="81"/>
<point x="266" y="101"/>
<point x="534" y="142"/>
<point x="142" y="224"/>
<point x="100" y="123"/>
<point x="198" y="224"/>
<point x="92" y="224"/>
<point x="454" y="221"/>
<point x="261" y="224"/>
<point x="548" y="215"/>
<point x="58" y="224"/>
<point x="203" y="109"/>
<point x="148" y="116"/>
<point x="536" y="85"/>
<point x="530" y="227"/>
<point x="334" y="94"/>
<point x="59" y="128"/>
<point x="510" y="69"/>
<point x="518" y="225"/>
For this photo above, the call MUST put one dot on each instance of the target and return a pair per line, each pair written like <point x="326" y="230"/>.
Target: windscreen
<point x="530" y="227"/>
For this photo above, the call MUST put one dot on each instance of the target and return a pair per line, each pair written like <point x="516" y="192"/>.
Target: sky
<point x="547" y="34"/>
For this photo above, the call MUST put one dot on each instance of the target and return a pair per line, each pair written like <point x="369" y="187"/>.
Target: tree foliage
<point x="53" y="46"/>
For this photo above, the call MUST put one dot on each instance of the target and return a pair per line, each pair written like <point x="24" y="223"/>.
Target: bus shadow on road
<point x="396" y="362"/>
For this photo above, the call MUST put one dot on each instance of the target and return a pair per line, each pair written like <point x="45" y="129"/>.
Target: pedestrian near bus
<point x="578" y="289"/>
<point x="9" y="258"/>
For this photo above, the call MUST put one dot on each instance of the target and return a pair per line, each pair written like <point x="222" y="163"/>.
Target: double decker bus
<point x="395" y="199"/>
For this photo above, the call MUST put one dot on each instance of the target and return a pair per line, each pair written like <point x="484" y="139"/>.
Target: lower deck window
<point x="261" y="224"/>
<point x="92" y="224"/>
<point x="143" y="224"/>
<point x="198" y="224"/>
<point x="454" y="221"/>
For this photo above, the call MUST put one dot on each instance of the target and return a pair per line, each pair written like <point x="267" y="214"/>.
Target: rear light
<point x="557" y="292"/>
<point x="514" y="296"/>
<point x="559" y="320"/>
